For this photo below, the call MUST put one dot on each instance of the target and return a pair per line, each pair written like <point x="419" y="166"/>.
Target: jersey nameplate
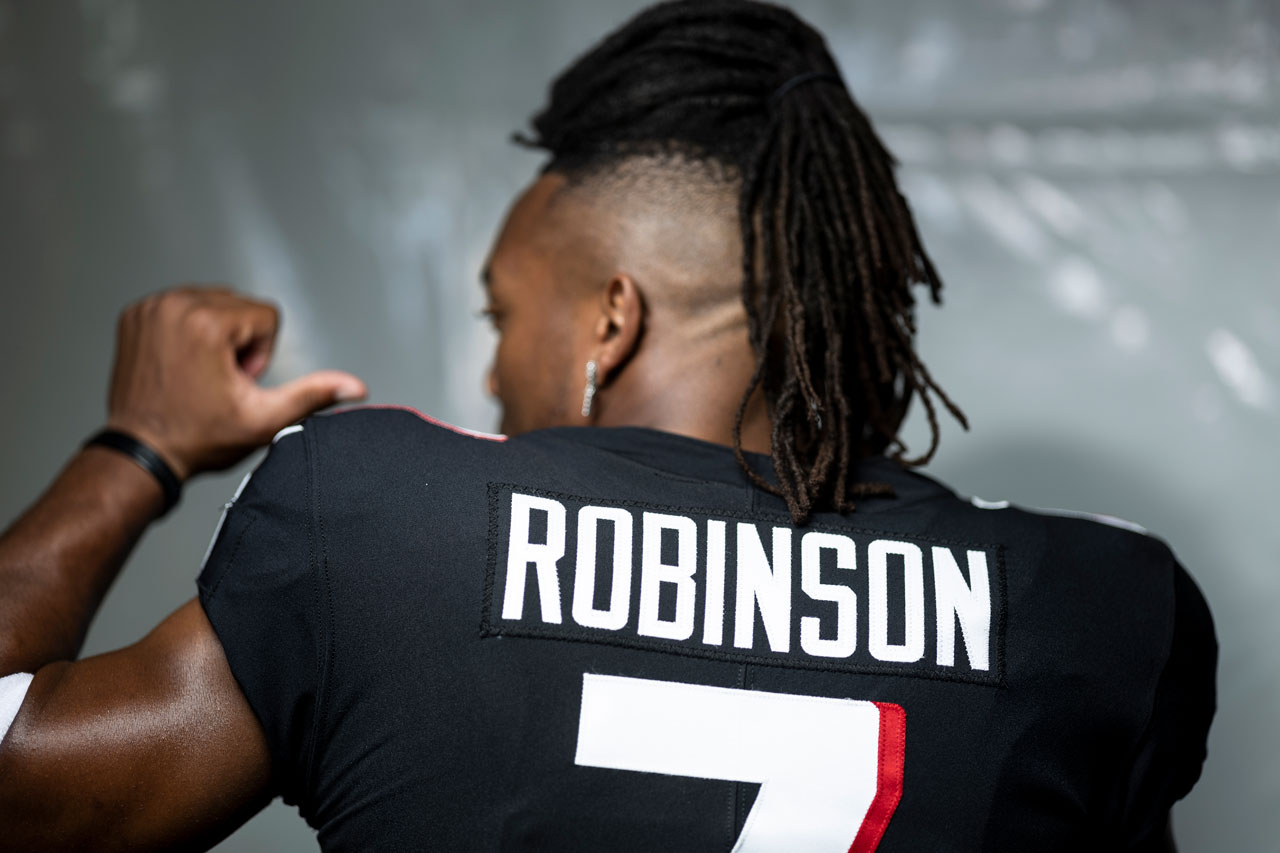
<point x="742" y="588"/>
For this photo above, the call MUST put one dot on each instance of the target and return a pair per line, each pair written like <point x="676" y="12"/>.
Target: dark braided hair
<point x="830" y="249"/>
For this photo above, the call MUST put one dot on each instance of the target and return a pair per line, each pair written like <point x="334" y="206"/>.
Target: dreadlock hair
<point x="830" y="249"/>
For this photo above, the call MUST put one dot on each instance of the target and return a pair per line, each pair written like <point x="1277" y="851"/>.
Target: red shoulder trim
<point x="471" y="433"/>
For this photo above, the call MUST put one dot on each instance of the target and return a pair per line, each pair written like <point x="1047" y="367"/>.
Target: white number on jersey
<point x="830" y="770"/>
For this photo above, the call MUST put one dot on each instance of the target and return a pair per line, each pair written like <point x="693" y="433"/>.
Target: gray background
<point x="1098" y="181"/>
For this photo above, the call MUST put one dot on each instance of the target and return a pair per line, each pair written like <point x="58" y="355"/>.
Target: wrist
<point x="146" y="457"/>
<point x="111" y="485"/>
<point x="152" y="438"/>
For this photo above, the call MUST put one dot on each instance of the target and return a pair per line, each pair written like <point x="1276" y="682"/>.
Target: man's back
<point x="588" y="638"/>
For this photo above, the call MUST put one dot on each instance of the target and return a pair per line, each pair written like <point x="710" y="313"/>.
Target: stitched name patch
<point x="743" y="588"/>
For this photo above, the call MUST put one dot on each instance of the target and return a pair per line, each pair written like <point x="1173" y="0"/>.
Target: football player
<point x="696" y="596"/>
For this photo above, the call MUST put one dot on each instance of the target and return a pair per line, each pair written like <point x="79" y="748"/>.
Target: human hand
<point x="185" y="378"/>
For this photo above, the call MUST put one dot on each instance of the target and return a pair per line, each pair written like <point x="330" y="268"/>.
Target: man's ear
<point x="620" y="325"/>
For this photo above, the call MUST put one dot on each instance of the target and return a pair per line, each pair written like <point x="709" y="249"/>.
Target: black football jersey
<point x="608" y="639"/>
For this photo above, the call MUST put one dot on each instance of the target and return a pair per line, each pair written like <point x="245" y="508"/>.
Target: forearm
<point x="184" y="382"/>
<point x="60" y="557"/>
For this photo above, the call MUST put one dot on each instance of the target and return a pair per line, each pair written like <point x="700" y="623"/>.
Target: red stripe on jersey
<point x="485" y="436"/>
<point x="893" y="749"/>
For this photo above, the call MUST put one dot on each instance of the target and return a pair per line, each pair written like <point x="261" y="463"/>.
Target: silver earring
<point x="589" y="394"/>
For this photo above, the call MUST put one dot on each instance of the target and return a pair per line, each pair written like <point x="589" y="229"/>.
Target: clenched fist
<point x="185" y="378"/>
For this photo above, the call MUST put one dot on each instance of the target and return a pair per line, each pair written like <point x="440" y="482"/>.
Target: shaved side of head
<point x="668" y="220"/>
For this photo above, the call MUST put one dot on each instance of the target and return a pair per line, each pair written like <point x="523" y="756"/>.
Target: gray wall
<point x="1099" y="183"/>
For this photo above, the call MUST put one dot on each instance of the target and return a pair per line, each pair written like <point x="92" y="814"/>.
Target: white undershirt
<point x="12" y="690"/>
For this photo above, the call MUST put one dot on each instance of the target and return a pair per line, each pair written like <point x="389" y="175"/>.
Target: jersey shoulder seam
<point x="421" y="416"/>
<point x="324" y="604"/>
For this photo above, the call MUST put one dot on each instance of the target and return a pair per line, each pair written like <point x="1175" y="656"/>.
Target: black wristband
<point x="144" y="456"/>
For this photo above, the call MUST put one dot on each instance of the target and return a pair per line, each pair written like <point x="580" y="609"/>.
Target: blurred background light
<point x="1097" y="180"/>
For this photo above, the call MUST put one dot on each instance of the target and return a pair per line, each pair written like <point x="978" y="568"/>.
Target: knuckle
<point x="203" y="321"/>
<point x="170" y="302"/>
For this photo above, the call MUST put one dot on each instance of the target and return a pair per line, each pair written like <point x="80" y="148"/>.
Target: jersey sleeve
<point x="261" y="592"/>
<point x="1168" y="756"/>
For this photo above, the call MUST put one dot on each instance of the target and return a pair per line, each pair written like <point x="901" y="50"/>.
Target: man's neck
<point x="697" y="396"/>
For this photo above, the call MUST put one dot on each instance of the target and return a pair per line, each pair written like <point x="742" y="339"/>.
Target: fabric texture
<point x="413" y="611"/>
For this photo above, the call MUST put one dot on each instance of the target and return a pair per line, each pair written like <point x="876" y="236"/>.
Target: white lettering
<point x="970" y="602"/>
<point x="846" y="639"/>
<point x="663" y="579"/>
<point x="713" y="607"/>
<point x="758" y="584"/>
<point x="584" y="578"/>
<point x="654" y="573"/>
<point x="521" y="552"/>
<point x="912" y="648"/>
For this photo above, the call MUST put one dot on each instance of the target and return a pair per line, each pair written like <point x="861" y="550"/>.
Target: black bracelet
<point x="144" y="456"/>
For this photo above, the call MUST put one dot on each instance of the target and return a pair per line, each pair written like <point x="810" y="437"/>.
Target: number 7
<point x="830" y="770"/>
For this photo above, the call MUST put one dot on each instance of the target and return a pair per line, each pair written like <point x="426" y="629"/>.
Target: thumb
<point x="278" y="407"/>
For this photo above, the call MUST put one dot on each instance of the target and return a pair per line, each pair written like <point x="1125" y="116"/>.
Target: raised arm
<point x="152" y="746"/>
